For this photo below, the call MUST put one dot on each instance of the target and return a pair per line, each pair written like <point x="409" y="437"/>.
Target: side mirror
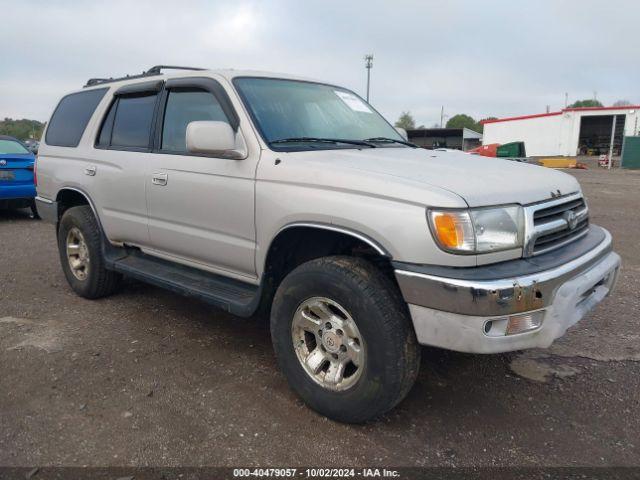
<point x="215" y="138"/>
<point x="402" y="132"/>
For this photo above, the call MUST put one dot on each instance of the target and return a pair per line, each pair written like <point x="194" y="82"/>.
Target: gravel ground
<point x="148" y="378"/>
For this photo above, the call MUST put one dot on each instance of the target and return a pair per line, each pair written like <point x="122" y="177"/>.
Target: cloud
<point x="496" y="57"/>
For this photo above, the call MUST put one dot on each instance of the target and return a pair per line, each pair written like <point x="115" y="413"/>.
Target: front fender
<point x="394" y="228"/>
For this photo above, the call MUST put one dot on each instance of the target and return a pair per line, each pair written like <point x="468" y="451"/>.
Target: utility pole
<point x="566" y="99"/>
<point x="613" y="136"/>
<point x="442" y="116"/>
<point x="368" y="64"/>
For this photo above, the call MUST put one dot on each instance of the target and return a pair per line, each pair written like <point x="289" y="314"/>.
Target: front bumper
<point x="451" y="311"/>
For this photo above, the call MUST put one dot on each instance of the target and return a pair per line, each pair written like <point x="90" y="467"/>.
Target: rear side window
<point x="132" y="122"/>
<point x="71" y="116"/>
<point x="104" y="140"/>
<point x="128" y="122"/>
<point x="185" y="106"/>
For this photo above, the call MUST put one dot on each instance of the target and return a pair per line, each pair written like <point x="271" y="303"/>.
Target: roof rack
<point x="155" y="70"/>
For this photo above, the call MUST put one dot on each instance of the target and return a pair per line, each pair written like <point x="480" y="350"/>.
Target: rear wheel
<point x="80" y="248"/>
<point x="344" y="339"/>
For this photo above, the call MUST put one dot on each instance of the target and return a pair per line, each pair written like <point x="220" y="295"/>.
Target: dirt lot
<point x="149" y="378"/>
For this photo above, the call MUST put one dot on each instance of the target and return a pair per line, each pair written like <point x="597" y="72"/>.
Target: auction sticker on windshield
<point x="353" y="102"/>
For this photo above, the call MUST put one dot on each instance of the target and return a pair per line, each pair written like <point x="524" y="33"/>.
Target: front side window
<point x="287" y="110"/>
<point x="10" y="147"/>
<point x="185" y="106"/>
<point x="71" y="116"/>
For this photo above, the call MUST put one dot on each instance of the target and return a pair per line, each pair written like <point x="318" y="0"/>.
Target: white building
<point x="570" y="132"/>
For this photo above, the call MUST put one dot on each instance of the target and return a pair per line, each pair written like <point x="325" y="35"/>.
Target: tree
<point x="406" y="121"/>
<point x="21" y="129"/>
<point x="464" y="121"/>
<point x="481" y="125"/>
<point x="622" y="103"/>
<point x="591" y="102"/>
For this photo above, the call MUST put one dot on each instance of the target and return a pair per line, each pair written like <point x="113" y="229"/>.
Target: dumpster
<point x="486" y="150"/>
<point x="511" y="150"/>
<point x="630" y="153"/>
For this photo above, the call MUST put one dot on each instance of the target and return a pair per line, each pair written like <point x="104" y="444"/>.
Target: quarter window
<point x="71" y="116"/>
<point x="185" y="106"/>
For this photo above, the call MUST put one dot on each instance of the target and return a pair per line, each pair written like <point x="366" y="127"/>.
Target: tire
<point x="97" y="281"/>
<point x="34" y="211"/>
<point x="387" y="350"/>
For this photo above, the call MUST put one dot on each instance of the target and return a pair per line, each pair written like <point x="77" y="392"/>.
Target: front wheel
<point x="344" y="339"/>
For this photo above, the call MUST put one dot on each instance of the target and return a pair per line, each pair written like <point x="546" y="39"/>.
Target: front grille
<point x="557" y="223"/>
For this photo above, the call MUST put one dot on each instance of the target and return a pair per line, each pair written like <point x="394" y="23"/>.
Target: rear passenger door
<point x="200" y="208"/>
<point x="122" y="155"/>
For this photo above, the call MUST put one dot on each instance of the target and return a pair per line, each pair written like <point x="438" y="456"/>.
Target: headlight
<point x="479" y="230"/>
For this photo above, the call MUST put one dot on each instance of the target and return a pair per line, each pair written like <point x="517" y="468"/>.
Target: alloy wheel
<point x="328" y="343"/>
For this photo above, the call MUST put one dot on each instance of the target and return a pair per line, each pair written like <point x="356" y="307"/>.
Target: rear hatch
<point x="16" y="169"/>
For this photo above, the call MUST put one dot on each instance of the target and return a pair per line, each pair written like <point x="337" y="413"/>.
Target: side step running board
<point x="233" y="296"/>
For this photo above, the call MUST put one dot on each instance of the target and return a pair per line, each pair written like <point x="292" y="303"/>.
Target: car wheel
<point x="80" y="247"/>
<point x="344" y="339"/>
<point x="34" y="211"/>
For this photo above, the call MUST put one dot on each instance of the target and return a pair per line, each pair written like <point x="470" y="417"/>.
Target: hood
<point x="480" y="181"/>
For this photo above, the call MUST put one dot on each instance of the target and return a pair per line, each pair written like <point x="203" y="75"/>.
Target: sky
<point x="483" y="58"/>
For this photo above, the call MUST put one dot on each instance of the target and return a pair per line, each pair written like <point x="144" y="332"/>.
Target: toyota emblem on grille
<point x="571" y="218"/>
<point x="3" y="162"/>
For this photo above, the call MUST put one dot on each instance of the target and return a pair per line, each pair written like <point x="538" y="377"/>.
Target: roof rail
<point x="155" y="70"/>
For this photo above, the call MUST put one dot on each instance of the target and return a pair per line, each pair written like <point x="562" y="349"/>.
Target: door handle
<point x="90" y="170"/>
<point x="159" y="179"/>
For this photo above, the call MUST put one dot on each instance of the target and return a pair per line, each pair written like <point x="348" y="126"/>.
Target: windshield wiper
<point x="362" y="143"/>
<point x="390" y="140"/>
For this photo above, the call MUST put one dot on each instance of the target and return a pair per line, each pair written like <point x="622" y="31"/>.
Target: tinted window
<point x="11" y="146"/>
<point x="71" y="116"/>
<point x="104" y="140"/>
<point x="184" y="106"/>
<point x="132" y="122"/>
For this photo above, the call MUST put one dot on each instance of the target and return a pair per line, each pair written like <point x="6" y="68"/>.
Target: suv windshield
<point x="299" y="115"/>
<point x="11" y="146"/>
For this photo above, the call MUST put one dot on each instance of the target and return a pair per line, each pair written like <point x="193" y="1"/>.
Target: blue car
<point x="17" y="185"/>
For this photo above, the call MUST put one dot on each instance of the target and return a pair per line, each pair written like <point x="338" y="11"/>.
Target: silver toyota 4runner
<point x="264" y="193"/>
